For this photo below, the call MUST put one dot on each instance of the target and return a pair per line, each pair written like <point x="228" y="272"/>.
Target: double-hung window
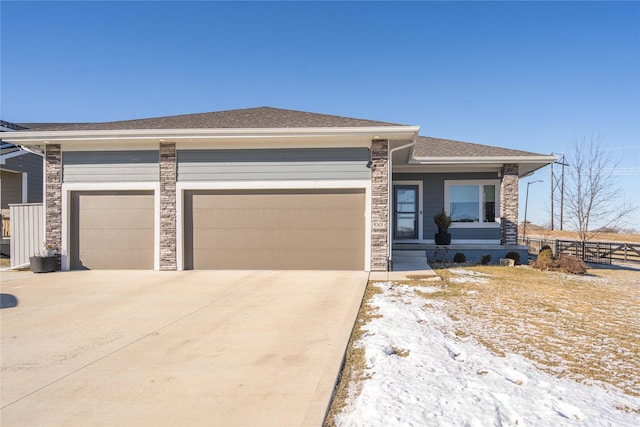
<point x="473" y="203"/>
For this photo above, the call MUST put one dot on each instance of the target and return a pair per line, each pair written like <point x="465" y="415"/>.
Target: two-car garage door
<point x="275" y="229"/>
<point x="265" y="229"/>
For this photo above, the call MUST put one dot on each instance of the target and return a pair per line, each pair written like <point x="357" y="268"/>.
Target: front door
<point x="405" y="212"/>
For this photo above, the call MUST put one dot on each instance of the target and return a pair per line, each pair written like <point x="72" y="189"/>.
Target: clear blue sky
<point x="532" y="76"/>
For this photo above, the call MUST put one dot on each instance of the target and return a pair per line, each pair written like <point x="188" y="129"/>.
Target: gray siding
<point x="11" y="191"/>
<point x="273" y="164"/>
<point x="433" y="199"/>
<point x="32" y="165"/>
<point x="102" y="166"/>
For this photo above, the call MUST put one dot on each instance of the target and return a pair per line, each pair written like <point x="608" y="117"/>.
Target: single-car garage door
<point x="112" y="230"/>
<point x="275" y="230"/>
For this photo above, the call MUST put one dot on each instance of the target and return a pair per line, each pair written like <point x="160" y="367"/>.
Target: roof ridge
<point x="248" y="118"/>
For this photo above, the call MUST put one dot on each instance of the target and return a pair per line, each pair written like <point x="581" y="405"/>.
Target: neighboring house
<point x="265" y="188"/>
<point x="20" y="177"/>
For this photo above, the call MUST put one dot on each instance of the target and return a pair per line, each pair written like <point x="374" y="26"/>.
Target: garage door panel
<point x="112" y="230"/>
<point x="111" y="219"/>
<point x="275" y="239"/>
<point x="131" y="259"/>
<point x="225" y="219"/>
<point x="114" y="201"/>
<point x="237" y="259"/>
<point x="283" y="229"/>
<point x="121" y="239"/>
<point x="271" y="199"/>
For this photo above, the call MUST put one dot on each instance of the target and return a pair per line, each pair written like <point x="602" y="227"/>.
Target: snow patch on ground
<point x="444" y="380"/>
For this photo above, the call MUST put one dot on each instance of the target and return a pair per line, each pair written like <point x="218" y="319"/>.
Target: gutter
<point x="483" y="159"/>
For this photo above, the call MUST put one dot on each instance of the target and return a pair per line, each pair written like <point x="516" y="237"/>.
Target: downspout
<point x="390" y="195"/>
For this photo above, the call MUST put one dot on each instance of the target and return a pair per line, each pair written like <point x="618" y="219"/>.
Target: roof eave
<point x="374" y="132"/>
<point x="482" y="159"/>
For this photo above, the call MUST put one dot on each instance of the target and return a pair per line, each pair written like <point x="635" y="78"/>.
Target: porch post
<point x="168" y="259"/>
<point x="509" y="205"/>
<point x="379" y="204"/>
<point x="53" y="195"/>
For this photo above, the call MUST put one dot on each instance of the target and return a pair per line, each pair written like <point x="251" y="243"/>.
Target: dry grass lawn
<point x="583" y="327"/>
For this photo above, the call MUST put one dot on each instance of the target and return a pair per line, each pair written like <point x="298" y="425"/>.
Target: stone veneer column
<point x="509" y="205"/>
<point x="168" y="260"/>
<point x="379" y="204"/>
<point x="53" y="195"/>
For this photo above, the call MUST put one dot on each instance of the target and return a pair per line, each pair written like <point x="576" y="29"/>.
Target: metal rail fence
<point x="595" y="252"/>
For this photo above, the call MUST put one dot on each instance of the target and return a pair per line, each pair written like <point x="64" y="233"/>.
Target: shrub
<point x="542" y="263"/>
<point x="545" y="254"/>
<point x="565" y="263"/>
<point x="486" y="259"/>
<point x="442" y="220"/>
<point x="571" y="264"/>
<point x="459" y="258"/>
<point x="544" y="248"/>
<point x="515" y="256"/>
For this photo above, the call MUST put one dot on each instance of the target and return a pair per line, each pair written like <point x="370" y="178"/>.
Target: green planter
<point x="44" y="264"/>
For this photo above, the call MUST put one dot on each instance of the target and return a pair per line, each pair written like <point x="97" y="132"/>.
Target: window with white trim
<point x="473" y="202"/>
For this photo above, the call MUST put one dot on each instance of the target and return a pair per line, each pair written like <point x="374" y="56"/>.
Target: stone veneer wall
<point x="509" y="205"/>
<point x="379" y="204"/>
<point x="53" y="195"/>
<point x="168" y="166"/>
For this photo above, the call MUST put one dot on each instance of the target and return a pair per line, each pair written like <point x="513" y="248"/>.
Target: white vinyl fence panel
<point x="27" y="232"/>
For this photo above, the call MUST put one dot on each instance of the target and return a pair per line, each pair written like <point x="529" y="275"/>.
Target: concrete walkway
<point x="243" y="348"/>
<point x="425" y="274"/>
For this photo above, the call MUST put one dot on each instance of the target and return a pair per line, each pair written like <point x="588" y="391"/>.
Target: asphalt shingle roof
<point x="256" y="118"/>
<point x="436" y="147"/>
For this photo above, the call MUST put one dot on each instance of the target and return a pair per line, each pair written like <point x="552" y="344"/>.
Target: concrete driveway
<point x="193" y="348"/>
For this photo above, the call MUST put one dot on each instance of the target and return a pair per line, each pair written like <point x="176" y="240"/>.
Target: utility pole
<point x="557" y="184"/>
<point x="526" y="205"/>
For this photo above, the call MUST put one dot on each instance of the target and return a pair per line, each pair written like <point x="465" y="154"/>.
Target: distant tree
<point x="592" y="192"/>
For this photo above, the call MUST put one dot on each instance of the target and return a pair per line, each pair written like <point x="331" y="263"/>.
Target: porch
<point x="432" y="253"/>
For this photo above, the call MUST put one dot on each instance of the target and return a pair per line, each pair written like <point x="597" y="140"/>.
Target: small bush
<point x="571" y="264"/>
<point x="459" y="258"/>
<point x="565" y="263"/>
<point x="486" y="259"/>
<point x="542" y="263"/>
<point x="544" y="248"/>
<point x="545" y="254"/>
<point x="515" y="256"/>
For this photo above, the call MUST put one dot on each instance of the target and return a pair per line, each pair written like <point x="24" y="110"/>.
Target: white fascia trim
<point x="194" y="134"/>
<point x="488" y="159"/>
<point x="68" y="188"/>
<point x="182" y="186"/>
